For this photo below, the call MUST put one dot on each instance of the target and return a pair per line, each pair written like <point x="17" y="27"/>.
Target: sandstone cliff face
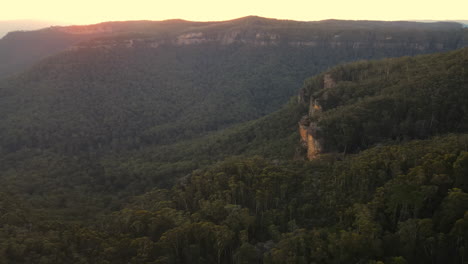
<point x="309" y="137"/>
<point x="262" y="37"/>
<point x="83" y="30"/>
<point x="308" y="125"/>
<point x="253" y="38"/>
<point x="314" y="147"/>
<point x="303" y="132"/>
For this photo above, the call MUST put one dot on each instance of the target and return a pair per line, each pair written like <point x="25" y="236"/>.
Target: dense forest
<point x="355" y="106"/>
<point x="402" y="203"/>
<point x="169" y="146"/>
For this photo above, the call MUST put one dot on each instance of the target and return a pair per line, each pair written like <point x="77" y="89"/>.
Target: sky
<point x="95" y="11"/>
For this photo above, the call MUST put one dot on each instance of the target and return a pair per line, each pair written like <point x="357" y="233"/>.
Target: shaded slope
<point x="21" y="49"/>
<point x="147" y="82"/>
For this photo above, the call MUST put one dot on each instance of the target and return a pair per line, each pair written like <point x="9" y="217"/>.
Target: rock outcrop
<point x="309" y="129"/>
<point x="309" y="137"/>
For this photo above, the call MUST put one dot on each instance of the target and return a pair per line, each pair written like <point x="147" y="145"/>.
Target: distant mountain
<point x="19" y="50"/>
<point x="25" y="25"/>
<point x="128" y="84"/>
<point x="464" y="22"/>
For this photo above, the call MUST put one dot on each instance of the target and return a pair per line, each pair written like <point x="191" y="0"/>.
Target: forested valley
<point x="184" y="145"/>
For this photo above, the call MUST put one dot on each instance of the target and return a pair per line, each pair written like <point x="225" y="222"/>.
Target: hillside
<point x="394" y="204"/>
<point x="178" y="147"/>
<point x="21" y="49"/>
<point x="131" y="111"/>
<point x="355" y="106"/>
<point x="119" y="115"/>
<point x="159" y="82"/>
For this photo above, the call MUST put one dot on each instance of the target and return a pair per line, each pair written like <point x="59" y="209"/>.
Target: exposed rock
<point x="230" y="37"/>
<point x="265" y="35"/>
<point x="303" y="43"/>
<point x="129" y="43"/>
<point x="191" y="38"/>
<point x="303" y="126"/>
<point x="90" y="29"/>
<point x="309" y="139"/>
<point x="314" y="144"/>
<point x="265" y="39"/>
<point x="154" y="44"/>
<point x="308" y="125"/>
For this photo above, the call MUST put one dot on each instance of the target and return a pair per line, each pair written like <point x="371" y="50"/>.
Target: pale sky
<point x="94" y="11"/>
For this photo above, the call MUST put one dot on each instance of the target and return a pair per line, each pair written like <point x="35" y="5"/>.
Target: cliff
<point x="361" y="39"/>
<point x="309" y="129"/>
<point x="313" y="39"/>
<point x="358" y="105"/>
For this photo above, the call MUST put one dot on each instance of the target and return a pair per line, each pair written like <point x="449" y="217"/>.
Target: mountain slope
<point x="74" y="149"/>
<point x="138" y="108"/>
<point x="355" y="106"/>
<point x="367" y="207"/>
<point x="401" y="202"/>
<point x="21" y="49"/>
<point x="158" y="82"/>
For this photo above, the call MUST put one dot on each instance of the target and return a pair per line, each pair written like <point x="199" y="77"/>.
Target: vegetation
<point x="394" y="204"/>
<point x="394" y="99"/>
<point x="180" y="155"/>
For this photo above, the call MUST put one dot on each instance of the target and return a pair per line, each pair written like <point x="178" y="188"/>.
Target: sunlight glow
<point x="92" y="11"/>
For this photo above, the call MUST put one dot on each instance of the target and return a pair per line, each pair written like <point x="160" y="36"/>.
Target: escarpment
<point x="264" y="37"/>
<point x="309" y="129"/>
<point x="260" y="32"/>
<point x="363" y="104"/>
<point x="336" y="40"/>
<point x="309" y="137"/>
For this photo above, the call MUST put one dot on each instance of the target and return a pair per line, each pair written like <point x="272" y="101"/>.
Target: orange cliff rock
<point x="314" y="144"/>
<point x="309" y="130"/>
<point x="313" y="147"/>
<point x="303" y="133"/>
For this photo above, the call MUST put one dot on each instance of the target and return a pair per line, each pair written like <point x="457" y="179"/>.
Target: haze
<point x="89" y="11"/>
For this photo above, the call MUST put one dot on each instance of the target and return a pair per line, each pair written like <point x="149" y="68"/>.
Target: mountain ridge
<point x="19" y="50"/>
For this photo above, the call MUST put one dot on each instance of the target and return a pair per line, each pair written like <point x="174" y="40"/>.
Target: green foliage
<point x="143" y="156"/>
<point x="392" y="99"/>
<point x="245" y="210"/>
